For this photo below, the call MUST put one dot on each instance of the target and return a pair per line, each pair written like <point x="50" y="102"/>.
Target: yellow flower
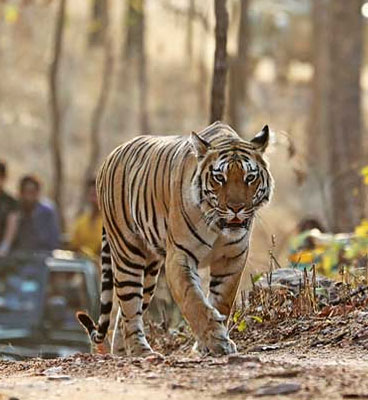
<point x="11" y="14"/>
<point x="364" y="173"/>
<point x="362" y="229"/>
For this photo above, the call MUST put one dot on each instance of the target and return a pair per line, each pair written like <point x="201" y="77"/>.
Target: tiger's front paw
<point x="215" y="340"/>
<point x="216" y="346"/>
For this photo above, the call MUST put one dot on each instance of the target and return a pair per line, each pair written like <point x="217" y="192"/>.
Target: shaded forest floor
<point x="315" y="357"/>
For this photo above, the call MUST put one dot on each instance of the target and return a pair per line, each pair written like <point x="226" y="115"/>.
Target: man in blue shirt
<point x="38" y="221"/>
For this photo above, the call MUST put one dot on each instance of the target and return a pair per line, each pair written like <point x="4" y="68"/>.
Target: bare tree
<point x="345" y="133"/>
<point x="238" y="76"/>
<point x="135" y="54"/>
<point x="319" y="125"/>
<point x="98" y="24"/>
<point x="189" y="38"/>
<point x="100" y="107"/>
<point x="220" y="62"/>
<point x="56" y="126"/>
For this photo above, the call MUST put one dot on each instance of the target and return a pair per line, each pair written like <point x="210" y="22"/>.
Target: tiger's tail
<point x="97" y="333"/>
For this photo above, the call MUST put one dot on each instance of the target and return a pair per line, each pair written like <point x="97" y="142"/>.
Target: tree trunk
<point x="99" y="111"/>
<point x="56" y="128"/>
<point x="317" y="178"/>
<point x="189" y="38"/>
<point x="319" y="123"/>
<point x="345" y="134"/>
<point x="220" y="62"/>
<point x="239" y="71"/>
<point x="135" y="55"/>
<point x="98" y="23"/>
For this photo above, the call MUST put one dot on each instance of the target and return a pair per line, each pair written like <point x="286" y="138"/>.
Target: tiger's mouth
<point x="234" y="223"/>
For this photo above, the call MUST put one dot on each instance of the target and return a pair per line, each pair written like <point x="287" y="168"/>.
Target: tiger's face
<point x="232" y="180"/>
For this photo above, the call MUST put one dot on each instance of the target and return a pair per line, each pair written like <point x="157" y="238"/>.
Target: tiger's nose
<point x="236" y="207"/>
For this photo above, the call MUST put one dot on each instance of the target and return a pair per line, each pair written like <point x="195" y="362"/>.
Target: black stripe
<point x="150" y="267"/>
<point x="125" y="271"/>
<point x="237" y="240"/>
<point x="149" y="289"/>
<point x="188" y="252"/>
<point x="154" y="272"/>
<point x="105" y="247"/>
<point x="106" y="308"/>
<point x="238" y="255"/>
<point x="154" y="219"/>
<point x="136" y="332"/>
<point x="107" y="285"/>
<point x="127" y="284"/>
<point x="187" y="220"/>
<point x="157" y="161"/>
<point x="131" y="264"/>
<point x="106" y="260"/>
<point x="129" y="296"/>
<point x="102" y="329"/>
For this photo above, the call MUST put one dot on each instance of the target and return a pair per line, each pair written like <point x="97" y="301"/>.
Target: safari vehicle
<point x="39" y="295"/>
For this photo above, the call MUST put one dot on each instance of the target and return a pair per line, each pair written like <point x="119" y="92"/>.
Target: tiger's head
<point x="232" y="179"/>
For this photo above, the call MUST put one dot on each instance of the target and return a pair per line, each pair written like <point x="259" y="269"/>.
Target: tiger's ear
<point x="199" y="145"/>
<point x="261" y="140"/>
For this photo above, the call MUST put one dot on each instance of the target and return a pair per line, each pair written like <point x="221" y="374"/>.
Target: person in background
<point x="87" y="229"/>
<point x="38" y="221"/>
<point x="8" y="215"/>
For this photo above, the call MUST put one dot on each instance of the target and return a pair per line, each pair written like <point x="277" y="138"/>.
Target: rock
<point x="265" y="347"/>
<point x="52" y="371"/>
<point x="282" y="388"/>
<point x="58" y="378"/>
<point x="293" y="279"/>
<point x="240" y="359"/>
<point x="237" y="389"/>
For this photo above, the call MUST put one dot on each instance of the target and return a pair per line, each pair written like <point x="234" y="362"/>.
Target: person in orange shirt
<point x="87" y="229"/>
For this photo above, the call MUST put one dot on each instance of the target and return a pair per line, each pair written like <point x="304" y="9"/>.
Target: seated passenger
<point x="8" y="215"/>
<point x="38" y="222"/>
<point x="87" y="229"/>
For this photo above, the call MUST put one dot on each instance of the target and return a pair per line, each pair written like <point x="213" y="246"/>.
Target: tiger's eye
<point x="219" y="178"/>
<point x="250" y="178"/>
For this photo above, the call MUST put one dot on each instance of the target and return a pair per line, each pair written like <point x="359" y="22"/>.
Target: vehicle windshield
<point x="21" y="294"/>
<point x="66" y="294"/>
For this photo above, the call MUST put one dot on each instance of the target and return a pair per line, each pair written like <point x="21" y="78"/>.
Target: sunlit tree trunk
<point x="345" y="142"/>
<point x="220" y="62"/>
<point x="238" y="76"/>
<point x="55" y="110"/>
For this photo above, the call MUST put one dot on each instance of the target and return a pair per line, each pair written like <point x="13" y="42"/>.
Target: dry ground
<point x="322" y="374"/>
<point x="321" y="357"/>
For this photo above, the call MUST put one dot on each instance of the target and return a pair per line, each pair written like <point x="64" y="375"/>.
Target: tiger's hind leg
<point x="151" y="272"/>
<point x="129" y="290"/>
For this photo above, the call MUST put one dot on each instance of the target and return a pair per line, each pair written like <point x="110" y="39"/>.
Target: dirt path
<point x="319" y="374"/>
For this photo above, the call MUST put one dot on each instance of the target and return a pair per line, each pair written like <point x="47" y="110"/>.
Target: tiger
<point x="183" y="202"/>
